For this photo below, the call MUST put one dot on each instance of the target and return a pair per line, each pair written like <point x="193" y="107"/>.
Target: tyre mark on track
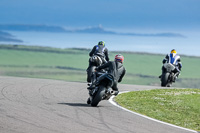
<point x="4" y="89"/>
<point x="33" y="124"/>
<point x="40" y="89"/>
<point x="100" y="117"/>
<point x="108" y="125"/>
<point x="77" y="119"/>
<point x="105" y="123"/>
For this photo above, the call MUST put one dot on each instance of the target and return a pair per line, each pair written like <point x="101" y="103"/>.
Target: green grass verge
<point x="180" y="107"/>
<point x="70" y="65"/>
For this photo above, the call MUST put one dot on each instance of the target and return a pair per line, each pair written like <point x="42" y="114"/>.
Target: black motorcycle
<point x="168" y="76"/>
<point x="102" y="90"/>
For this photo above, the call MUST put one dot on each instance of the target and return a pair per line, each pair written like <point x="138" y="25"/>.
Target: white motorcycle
<point x="168" y="76"/>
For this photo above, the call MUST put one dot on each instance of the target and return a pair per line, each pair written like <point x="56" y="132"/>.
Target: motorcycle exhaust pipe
<point x="114" y="92"/>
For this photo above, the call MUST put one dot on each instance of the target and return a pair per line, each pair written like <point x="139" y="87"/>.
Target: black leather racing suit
<point x="116" y="69"/>
<point x="100" y="50"/>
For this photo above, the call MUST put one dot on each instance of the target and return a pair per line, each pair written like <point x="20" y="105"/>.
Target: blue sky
<point x="133" y="16"/>
<point x="139" y="14"/>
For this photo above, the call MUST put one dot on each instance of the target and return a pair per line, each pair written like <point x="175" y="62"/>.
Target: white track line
<point x="115" y="104"/>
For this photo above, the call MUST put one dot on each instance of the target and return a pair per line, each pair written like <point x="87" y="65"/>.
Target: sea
<point x="188" y="45"/>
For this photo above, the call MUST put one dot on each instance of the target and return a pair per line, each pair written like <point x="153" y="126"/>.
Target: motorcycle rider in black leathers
<point x="174" y="59"/>
<point x="101" y="51"/>
<point x="116" y="69"/>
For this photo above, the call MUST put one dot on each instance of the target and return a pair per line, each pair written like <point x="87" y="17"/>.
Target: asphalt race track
<point x="49" y="106"/>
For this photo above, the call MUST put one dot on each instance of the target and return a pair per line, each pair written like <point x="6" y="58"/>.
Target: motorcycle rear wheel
<point x="98" y="97"/>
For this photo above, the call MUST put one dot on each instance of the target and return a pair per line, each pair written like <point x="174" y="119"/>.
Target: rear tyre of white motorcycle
<point x="98" y="97"/>
<point x="164" y="79"/>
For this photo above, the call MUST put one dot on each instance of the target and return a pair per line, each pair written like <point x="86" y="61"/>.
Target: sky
<point x="128" y="16"/>
<point x="134" y="14"/>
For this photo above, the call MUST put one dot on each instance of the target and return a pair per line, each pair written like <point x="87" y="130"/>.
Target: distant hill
<point x="97" y="29"/>
<point x="7" y="37"/>
<point x="94" y="30"/>
<point x="39" y="28"/>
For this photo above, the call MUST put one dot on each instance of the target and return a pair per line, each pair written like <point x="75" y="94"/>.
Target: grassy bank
<point x="70" y="65"/>
<point x="176" y="106"/>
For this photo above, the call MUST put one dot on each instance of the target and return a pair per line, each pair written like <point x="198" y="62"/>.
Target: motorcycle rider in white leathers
<point x="174" y="59"/>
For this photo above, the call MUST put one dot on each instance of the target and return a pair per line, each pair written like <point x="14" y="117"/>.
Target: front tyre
<point x="164" y="79"/>
<point x="98" y="97"/>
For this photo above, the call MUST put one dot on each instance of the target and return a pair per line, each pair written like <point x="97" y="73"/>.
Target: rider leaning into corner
<point x="174" y="59"/>
<point x="114" y="68"/>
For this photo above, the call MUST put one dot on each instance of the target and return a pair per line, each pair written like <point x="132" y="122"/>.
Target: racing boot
<point x="88" y="101"/>
<point x="92" y="86"/>
<point x="175" y="76"/>
<point x="93" y="83"/>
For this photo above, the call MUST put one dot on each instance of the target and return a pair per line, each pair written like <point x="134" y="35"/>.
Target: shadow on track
<point x="76" y="104"/>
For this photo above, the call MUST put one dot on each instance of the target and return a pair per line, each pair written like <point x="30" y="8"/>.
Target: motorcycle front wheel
<point x="164" y="79"/>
